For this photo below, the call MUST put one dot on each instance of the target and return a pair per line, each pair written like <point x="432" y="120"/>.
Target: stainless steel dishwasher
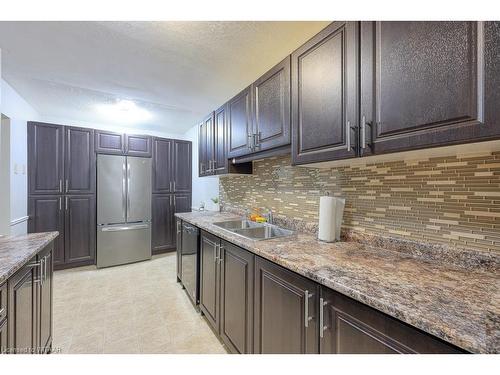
<point x="190" y="261"/>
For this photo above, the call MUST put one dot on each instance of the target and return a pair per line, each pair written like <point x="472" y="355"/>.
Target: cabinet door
<point x="206" y="146"/>
<point x="324" y="95"/>
<point x="421" y="84"/>
<point x="178" y="244"/>
<point x="271" y="107"/>
<point x="3" y="336"/>
<point x="492" y="76"/>
<point x="109" y="142"/>
<point x="236" y="298"/>
<point x="162" y="222"/>
<point x="182" y="203"/>
<point x="239" y="125"/>
<point x="209" y="278"/>
<point x="45" y="158"/>
<point x="45" y="300"/>
<point x="351" y="327"/>
<point x="285" y="315"/>
<point x="162" y="165"/>
<point x="22" y="317"/>
<point x="220" y="141"/>
<point x="181" y="170"/>
<point x="79" y="161"/>
<point x="138" y="145"/>
<point x="46" y="214"/>
<point x="80" y="229"/>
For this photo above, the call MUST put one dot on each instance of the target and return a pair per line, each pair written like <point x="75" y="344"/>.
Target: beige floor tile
<point x="135" y="308"/>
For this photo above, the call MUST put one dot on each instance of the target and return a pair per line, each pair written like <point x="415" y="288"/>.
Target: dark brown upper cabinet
<point x="220" y="164"/>
<point x="239" y="125"/>
<point x="138" y="145"/>
<point x="181" y="168"/>
<point x="324" y="95"/>
<point x="271" y="108"/>
<point x="162" y="170"/>
<point x="206" y="146"/>
<point x="285" y="315"/>
<point x="109" y="143"/>
<point x="45" y="158"/>
<point x="423" y="84"/>
<point x="492" y="76"/>
<point x="79" y="161"/>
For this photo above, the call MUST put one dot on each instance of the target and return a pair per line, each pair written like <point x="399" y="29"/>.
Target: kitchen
<point x="332" y="190"/>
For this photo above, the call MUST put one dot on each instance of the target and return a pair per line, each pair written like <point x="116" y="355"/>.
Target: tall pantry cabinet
<point x="171" y="190"/>
<point x="62" y="191"/>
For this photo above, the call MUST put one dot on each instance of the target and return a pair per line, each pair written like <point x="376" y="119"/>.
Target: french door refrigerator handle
<point x="124" y="228"/>
<point x="128" y="190"/>
<point x="124" y="193"/>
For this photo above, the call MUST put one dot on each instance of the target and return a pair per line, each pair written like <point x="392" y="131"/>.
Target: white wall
<point x="206" y="187"/>
<point x="19" y="112"/>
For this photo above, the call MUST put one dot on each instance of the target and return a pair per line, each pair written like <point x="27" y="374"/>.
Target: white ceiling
<point x="179" y="71"/>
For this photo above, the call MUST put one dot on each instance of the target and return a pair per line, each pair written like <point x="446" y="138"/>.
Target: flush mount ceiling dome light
<point x="124" y="111"/>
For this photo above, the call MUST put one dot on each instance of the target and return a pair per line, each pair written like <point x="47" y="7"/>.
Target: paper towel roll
<point x="331" y="211"/>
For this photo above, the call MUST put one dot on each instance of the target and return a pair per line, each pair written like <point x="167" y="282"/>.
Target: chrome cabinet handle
<point x="66" y="204"/>
<point x="250" y="140"/>
<point x="67" y="187"/>
<point x="174" y="186"/>
<point x="45" y="267"/>
<point x="256" y="140"/>
<point x="348" y="135"/>
<point x="363" y="132"/>
<point x="216" y="258"/>
<point x="42" y="267"/>
<point x="34" y="264"/>
<point x="60" y="185"/>
<point x="178" y="227"/>
<point x="60" y="203"/>
<point x="307" y="318"/>
<point x="322" y="327"/>
<point x="221" y="259"/>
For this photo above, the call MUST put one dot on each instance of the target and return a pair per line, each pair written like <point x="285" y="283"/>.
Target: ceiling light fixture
<point x="124" y="111"/>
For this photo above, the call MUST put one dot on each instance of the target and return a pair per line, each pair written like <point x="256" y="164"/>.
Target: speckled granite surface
<point x="16" y="251"/>
<point x="458" y="304"/>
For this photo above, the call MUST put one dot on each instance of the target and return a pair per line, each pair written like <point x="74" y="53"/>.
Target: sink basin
<point x="236" y="224"/>
<point x="253" y="230"/>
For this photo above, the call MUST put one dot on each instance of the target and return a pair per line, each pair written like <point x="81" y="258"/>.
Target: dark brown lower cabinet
<point x="22" y="315"/>
<point x="285" y="315"/>
<point x="162" y="216"/>
<point x="45" y="297"/>
<point x="236" y="297"/>
<point x="80" y="229"/>
<point x="178" y="233"/>
<point x="350" y="327"/>
<point x="46" y="214"/>
<point x="163" y="231"/>
<point x="28" y="327"/>
<point x="210" y="278"/>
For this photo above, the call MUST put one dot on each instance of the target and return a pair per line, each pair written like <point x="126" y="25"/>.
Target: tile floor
<point x="135" y="308"/>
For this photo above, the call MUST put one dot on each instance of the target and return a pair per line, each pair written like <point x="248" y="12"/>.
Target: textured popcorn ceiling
<point x="452" y="200"/>
<point x="179" y="71"/>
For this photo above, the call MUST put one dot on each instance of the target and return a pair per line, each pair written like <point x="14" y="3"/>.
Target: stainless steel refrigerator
<point x="123" y="209"/>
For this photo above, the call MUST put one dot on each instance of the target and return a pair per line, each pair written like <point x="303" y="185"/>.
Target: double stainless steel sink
<point x="254" y="231"/>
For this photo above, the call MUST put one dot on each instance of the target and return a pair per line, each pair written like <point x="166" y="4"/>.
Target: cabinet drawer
<point x="3" y="301"/>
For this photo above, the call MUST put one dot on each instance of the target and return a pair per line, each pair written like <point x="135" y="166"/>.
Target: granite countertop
<point x="457" y="304"/>
<point x="16" y="251"/>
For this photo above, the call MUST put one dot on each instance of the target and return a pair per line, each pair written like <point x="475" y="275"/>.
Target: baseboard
<point x="163" y="251"/>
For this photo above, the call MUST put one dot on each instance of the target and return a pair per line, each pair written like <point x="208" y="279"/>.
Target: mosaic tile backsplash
<point x="447" y="200"/>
